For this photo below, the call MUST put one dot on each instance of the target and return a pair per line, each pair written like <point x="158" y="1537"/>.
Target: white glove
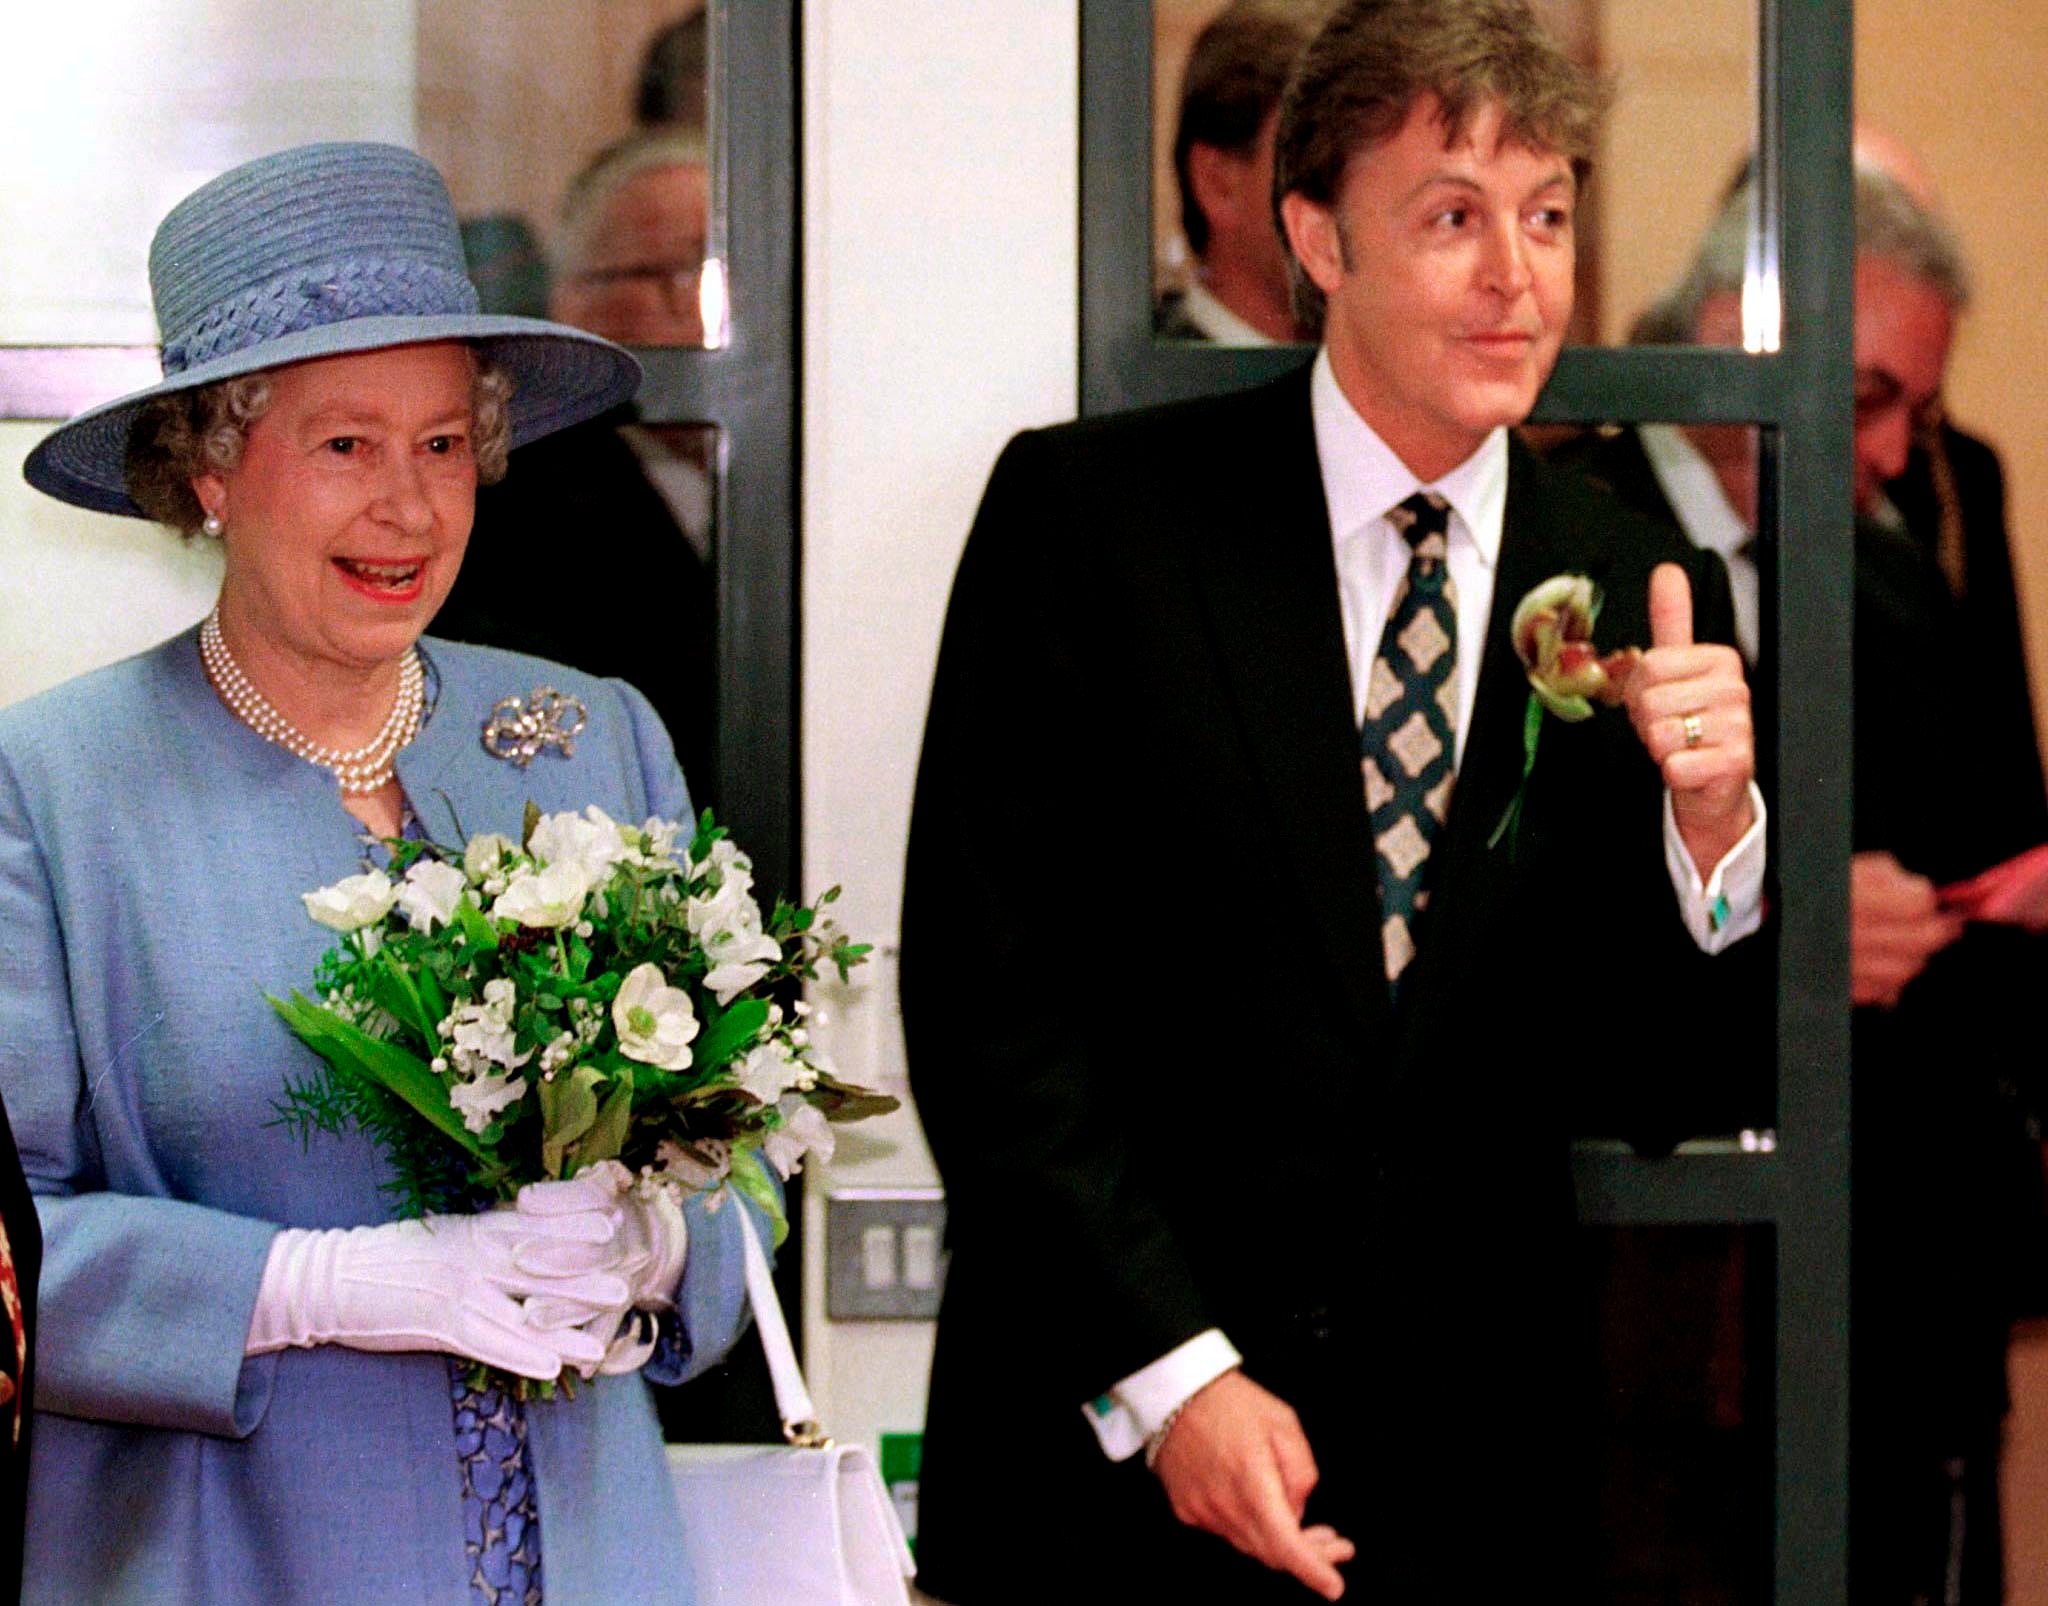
<point x="652" y="1243"/>
<point x="514" y="1289"/>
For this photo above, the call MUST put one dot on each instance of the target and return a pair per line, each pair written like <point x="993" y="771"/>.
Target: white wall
<point x="941" y="259"/>
<point x="105" y="122"/>
<point x="109" y="114"/>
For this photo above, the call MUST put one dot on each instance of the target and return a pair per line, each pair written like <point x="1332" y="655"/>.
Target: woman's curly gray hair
<point x="178" y="437"/>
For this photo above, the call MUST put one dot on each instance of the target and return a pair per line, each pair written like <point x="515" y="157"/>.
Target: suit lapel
<point x="1268" y="579"/>
<point x="1532" y="549"/>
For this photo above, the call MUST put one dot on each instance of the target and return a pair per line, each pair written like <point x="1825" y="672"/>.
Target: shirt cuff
<point x="1729" y="904"/>
<point x="1138" y="1407"/>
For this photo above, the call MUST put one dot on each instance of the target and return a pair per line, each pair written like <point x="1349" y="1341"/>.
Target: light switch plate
<point x="875" y="1238"/>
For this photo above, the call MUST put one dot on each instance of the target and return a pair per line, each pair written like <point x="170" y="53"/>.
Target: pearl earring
<point x="212" y="525"/>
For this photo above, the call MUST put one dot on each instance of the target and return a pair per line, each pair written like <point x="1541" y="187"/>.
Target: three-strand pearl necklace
<point x="362" y="770"/>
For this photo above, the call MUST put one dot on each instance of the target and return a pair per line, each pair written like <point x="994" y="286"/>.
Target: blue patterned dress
<point x="500" y="1517"/>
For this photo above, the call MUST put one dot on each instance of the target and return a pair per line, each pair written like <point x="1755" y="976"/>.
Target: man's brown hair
<point x="1355" y="84"/>
<point x="1235" y="76"/>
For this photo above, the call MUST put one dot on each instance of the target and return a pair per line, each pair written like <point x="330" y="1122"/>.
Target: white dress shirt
<point x="1708" y="518"/>
<point x="1218" y="322"/>
<point x="1362" y="481"/>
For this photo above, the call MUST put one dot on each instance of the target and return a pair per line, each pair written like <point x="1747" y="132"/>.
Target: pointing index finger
<point x="1670" y="607"/>
<point x="1283" y="1544"/>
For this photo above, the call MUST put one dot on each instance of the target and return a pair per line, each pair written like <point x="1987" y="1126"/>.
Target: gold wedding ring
<point x="1694" y="730"/>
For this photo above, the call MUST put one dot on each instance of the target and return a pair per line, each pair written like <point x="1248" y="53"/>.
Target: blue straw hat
<point x="313" y="252"/>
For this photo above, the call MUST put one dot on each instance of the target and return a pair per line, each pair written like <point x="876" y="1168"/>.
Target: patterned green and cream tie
<point x="1407" y="741"/>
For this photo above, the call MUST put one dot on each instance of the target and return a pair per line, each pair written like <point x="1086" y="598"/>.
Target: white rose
<point x="654" y="1020"/>
<point x="353" y="902"/>
<point x="431" y="891"/>
<point x="479" y="1101"/>
<point x="803" y="1132"/>
<point x="550" y="897"/>
<point x="486" y="855"/>
<point x="768" y="1072"/>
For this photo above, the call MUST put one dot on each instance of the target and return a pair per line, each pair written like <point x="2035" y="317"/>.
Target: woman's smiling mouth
<point x="398" y="581"/>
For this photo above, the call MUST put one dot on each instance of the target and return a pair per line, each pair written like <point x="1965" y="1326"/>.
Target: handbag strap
<point x="792" y="1398"/>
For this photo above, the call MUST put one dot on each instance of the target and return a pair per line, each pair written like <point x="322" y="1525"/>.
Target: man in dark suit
<point x="612" y="485"/>
<point x="1252" y="1116"/>
<point x="1237" y="290"/>
<point x="630" y="254"/>
<point x="1947" y="1177"/>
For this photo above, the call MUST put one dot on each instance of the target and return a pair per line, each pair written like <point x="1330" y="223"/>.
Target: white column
<point x="941" y="259"/>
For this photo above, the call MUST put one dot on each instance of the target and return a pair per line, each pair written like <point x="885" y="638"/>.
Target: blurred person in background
<point x="1948" y="783"/>
<point x="629" y="261"/>
<point x="1237" y="291"/>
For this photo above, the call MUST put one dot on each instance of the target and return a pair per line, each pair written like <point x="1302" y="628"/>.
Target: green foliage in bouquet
<point x="516" y="1011"/>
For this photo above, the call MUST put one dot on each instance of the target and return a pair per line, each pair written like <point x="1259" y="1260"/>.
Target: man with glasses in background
<point x="1947" y="784"/>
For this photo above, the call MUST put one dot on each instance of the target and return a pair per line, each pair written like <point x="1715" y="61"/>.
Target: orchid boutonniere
<point x="1553" y="634"/>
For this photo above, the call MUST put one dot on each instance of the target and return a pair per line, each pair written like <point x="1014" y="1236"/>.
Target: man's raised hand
<point x="1689" y="703"/>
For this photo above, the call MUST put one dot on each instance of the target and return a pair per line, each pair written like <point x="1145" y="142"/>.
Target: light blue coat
<point x="152" y="853"/>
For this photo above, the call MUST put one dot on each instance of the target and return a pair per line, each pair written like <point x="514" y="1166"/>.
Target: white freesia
<point x="725" y="906"/>
<point x="480" y="1100"/>
<point x="486" y="855"/>
<point x="658" y="842"/>
<point x="353" y="902"/>
<point x="592" y="841"/>
<point x="721" y="904"/>
<point x="726" y="921"/>
<point x="431" y="891"/>
<point x="804" y="1132"/>
<point x="739" y="953"/>
<point x="546" y="898"/>
<point x="654" y="1020"/>
<point x="768" y="1072"/>
<point x="725" y="860"/>
<point x="481" y="1034"/>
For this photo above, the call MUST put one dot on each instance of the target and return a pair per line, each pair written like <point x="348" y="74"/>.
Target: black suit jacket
<point x="1948" y="777"/>
<point x="1149" y="1034"/>
<point x="576" y="506"/>
<point x="1616" y="462"/>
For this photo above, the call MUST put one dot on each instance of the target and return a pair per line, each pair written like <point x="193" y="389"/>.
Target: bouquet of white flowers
<point x="520" y="1010"/>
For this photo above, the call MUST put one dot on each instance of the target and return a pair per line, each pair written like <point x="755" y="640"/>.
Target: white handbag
<point x="787" y="1525"/>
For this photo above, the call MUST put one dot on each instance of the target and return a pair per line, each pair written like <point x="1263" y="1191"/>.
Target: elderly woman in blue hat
<point x="251" y="1381"/>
